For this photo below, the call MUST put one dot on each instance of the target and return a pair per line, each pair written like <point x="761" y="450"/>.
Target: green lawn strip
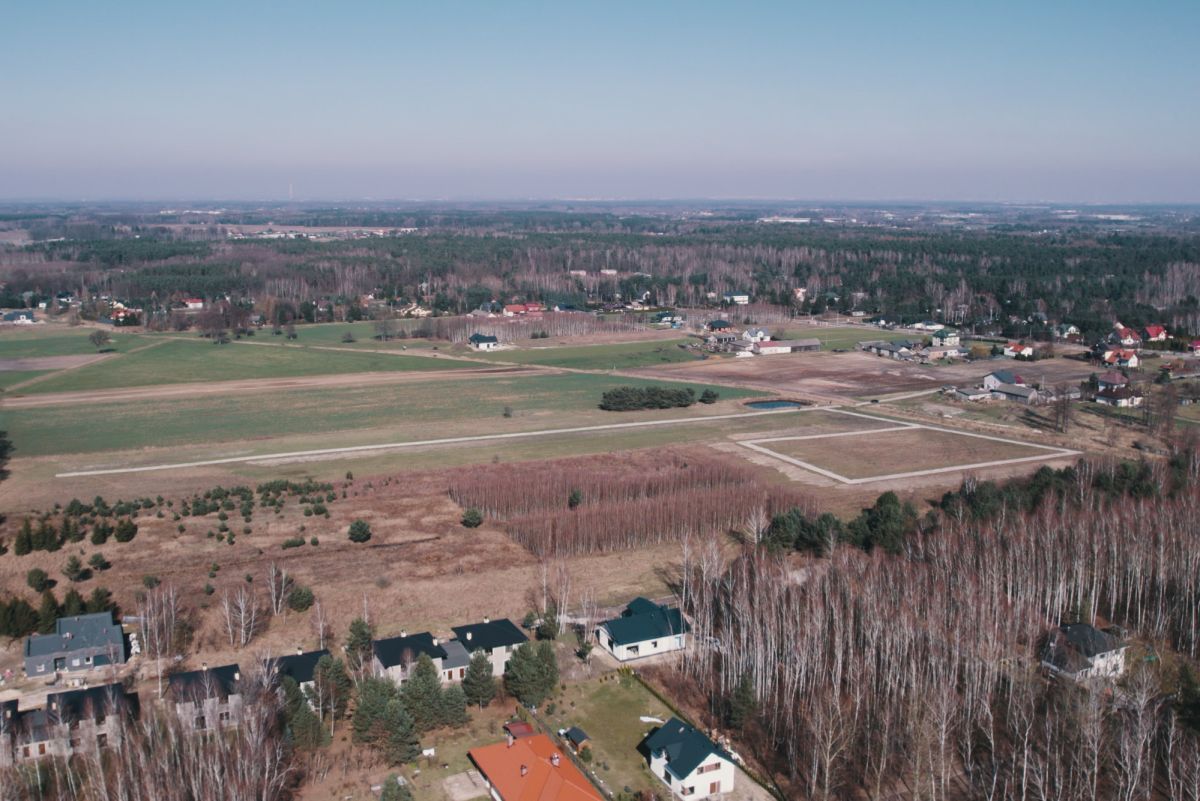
<point x="425" y="410"/>
<point x="190" y="361"/>
<point x="619" y="356"/>
<point x="842" y="337"/>
<point x="57" y="342"/>
<point x="609" y="711"/>
<point x="10" y="377"/>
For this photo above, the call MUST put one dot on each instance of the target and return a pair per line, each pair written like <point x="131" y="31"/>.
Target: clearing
<point x="619" y="356"/>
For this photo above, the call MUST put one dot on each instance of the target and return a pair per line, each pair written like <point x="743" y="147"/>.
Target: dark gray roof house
<point x="407" y="649"/>
<point x="489" y="635"/>
<point x="643" y="629"/>
<point x="194" y="685"/>
<point x="300" y="667"/>
<point x="683" y="747"/>
<point x="478" y="339"/>
<point x="78" y="643"/>
<point x="1080" y="650"/>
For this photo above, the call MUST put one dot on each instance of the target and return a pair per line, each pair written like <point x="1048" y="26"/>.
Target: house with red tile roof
<point x="1155" y="333"/>
<point x="531" y="769"/>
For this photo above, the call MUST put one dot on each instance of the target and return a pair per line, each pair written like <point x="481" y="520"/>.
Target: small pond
<point x="777" y="404"/>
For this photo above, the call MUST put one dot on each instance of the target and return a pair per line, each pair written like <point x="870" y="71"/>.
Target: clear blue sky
<point x="1052" y="100"/>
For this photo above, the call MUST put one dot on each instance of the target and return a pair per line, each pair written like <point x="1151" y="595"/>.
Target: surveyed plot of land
<point x="618" y="356"/>
<point x="896" y="449"/>
<point x="180" y="361"/>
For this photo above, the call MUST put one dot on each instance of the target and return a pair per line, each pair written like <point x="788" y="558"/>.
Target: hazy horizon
<point x="1089" y="103"/>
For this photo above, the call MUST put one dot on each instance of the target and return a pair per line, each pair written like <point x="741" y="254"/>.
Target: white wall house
<point x="643" y="629"/>
<point x="689" y="763"/>
<point x="483" y="342"/>
<point x="497" y="638"/>
<point x="736" y="298"/>
<point x="1079" y="651"/>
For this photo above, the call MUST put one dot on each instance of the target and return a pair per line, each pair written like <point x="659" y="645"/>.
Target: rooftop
<point x="405" y="649"/>
<point x="218" y="682"/>
<point x="300" y="667"/>
<point x="532" y="769"/>
<point x="489" y="635"/>
<point x="685" y="747"/>
<point x="78" y="633"/>
<point x="645" y="620"/>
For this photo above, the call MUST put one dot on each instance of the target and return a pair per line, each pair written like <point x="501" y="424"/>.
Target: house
<point x="577" y="737"/>
<point x="207" y="699"/>
<point x="973" y="394"/>
<point x="787" y="346"/>
<point x="394" y="657"/>
<point x="736" y="298"/>
<point x="643" y="629"/>
<point x="20" y="318"/>
<point x="193" y="304"/>
<point x="900" y="350"/>
<point x="1015" y="349"/>
<point x="1112" y="380"/>
<point x="71" y="722"/>
<point x="483" y="341"/>
<point x="1016" y="392"/>
<point x="1079" y="651"/>
<point x="945" y="338"/>
<point x="928" y="325"/>
<point x="531" y="769"/>
<point x="79" y="643"/>
<point x="1066" y="331"/>
<point x="300" y="667"/>
<point x="1122" y="358"/>
<point x="799" y="293"/>
<point x="935" y="352"/>
<point x="718" y="325"/>
<point x="1123" y="335"/>
<point x="720" y="340"/>
<point x="513" y="309"/>
<point x="689" y="763"/>
<point x="756" y="334"/>
<point x="497" y="638"/>
<point x="995" y="379"/>
<point x="1121" y="397"/>
<point x="1155" y="333"/>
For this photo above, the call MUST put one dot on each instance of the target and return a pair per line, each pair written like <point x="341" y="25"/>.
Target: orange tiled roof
<point x="501" y="763"/>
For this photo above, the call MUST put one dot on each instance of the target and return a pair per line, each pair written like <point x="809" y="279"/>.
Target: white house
<point x="756" y="334"/>
<point x="736" y="298"/>
<point x="946" y="338"/>
<point x="928" y="325"/>
<point x="483" y="341"/>
<point x="1122" y="358"/>
<point x="689" y="763"/>
<point x="993" y="380"/>
<point x="1080" y="651"/>
<point x="643" y="629"/>
<point x="1015" y="349"/>
<point x="193" y="304"/>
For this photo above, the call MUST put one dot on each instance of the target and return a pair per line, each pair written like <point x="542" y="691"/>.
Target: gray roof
<point x="456" y="655"/>
<point x="1006" y="377"/>
<point x="78" y="633"/>
<point x="645" y="620"/>
<point x="300" y="667"/>
<point x="193" y="685"/>
<point x="792" y="343"/>
<point x="1072" y="646"/>
<point x="684" y="746"/>
<point x="490" y="635"/>
<point x="403" y="650"/>
<point x="1016" y="389"/>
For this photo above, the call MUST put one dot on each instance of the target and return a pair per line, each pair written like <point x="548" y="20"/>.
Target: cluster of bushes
<point x="884" y="525"/>
<point x="18" y="618"/>
<point x="626" y="399"/>
<point x="47" y="537"/>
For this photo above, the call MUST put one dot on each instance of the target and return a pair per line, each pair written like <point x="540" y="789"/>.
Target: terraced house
<point x="71" y="723"/>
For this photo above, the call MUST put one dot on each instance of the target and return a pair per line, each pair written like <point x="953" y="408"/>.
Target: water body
<point x="777" y="404"/>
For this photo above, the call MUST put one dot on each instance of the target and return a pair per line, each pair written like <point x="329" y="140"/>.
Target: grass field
<point x="421" y="410"/>
<point x="178" y="361"/>
<point x="609" y="710"/>
<point x="334" y="333"/>
<point x="10" y="377"/>
<point x="843" y="337"/>
<point x="621" y="356"/>
<point x="30" y="344"/>
<point x="880" y="454"/>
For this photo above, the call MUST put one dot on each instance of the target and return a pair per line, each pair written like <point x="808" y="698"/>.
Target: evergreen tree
<point x="548" y="628"/>
<point x="371" y="711"/>
<point x="307" y="731"/>
<point x="422" y="695"/>
<point x="47" y="612"/>
<point x="126" y="530"/>
<point x="330" y="692"/>
<point x="24" y="541"/>
<point x="479" y="685"/>
<point x="100" y="601"/>
<point x="73" y="603"/>
<point x="293" y="697"/>
<point x="37" y="579"/>
<point x="532" y="672"/>
<point x="73" y="570"/>
<point x="454" y="707"/>
<point x="46" y="537"/>
<point x="547" y="667"/>
<point x="393" y="790"/>
<point x="1187" y="700"/>
<point x="742" y="703"/>
<point x="358" y="646"/>
<point x="401" y="743"/>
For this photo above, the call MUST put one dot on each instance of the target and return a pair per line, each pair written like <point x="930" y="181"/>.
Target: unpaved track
<point x="252" y="385"/>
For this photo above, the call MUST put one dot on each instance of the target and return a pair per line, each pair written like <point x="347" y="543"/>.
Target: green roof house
<point x="643" y="629"/>
<point x="689" y="763"/>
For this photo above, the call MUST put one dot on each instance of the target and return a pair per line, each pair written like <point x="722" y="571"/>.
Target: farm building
<point x="1121" y="397"/>
<point x="483" y="341"/>
<point x="945" y="338"/>
<point x="1080" y="651"/>
<point x="1017" y="393"/>
<point x="531" y="769"/>
<point x="973" y="394"/>
<point x="995" y="379"/>
<point x="786" y="346"/>
<point x="1014" y="349"/>
<point x="736" y="298"/>
<point x="643" y="629"/>
<point x="689" y="763"/>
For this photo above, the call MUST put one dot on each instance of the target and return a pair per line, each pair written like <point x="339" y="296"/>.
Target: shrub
<point x="472" y="518"/>
<point x="708" y="396"/>
<point x="98" y="562"/>
<point x="300" y="598"/>
<point x="150" y="582"/>
<point x="37" y="579"/>
<point x="293" y="542"/>
<point x="126" y="530"/>
<point x="359" y="531"/>
<point x="314" y="541"/>
<point x="624" y="399"/>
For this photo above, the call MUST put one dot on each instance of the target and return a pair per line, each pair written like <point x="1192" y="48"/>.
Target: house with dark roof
<point x="497" y="638"/>
<point x="82" y="642"/>
<point x="20" y="317"/>
<point x="1016" y="392"/>
<point x="719" y="325"/>
<point x="300" y="667"/>
<point x="998" y="377"/>
<point x="1122" y="397"/>
<point x="483" y="341"/>
<point x="207" y="699"/>
<point x="689" y="763"/>
<point x="577" y="737"/>
<point x="72" y="722"/>
<point x="395" y="657"/>
<point x="1080" y="651"/>
<point x="643" y="629"/>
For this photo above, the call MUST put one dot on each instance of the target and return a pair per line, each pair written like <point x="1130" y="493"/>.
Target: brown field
<point x="890" y="452"/>
<point x="828" y="376"/>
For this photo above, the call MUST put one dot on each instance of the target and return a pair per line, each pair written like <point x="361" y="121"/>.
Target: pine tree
<point x="47" y="612"/>
<point x="24" y="541"/>
<point x="99" y="601"/>
<point x="358" y="646"/>
<point x="548" y="628"/>
<point x="454" y="707"/>
<point x="307" y="731"/>
<point x="742" y="703"/>
<point x="547" y="668"/>
<point x="330" y="692"/>
<point x="393" y="790"/>
<point x="527" y="673"/>
<point x="72" y="603"/>
<point x="73" y="570"/>
<point x="401" y="743"/>
<point x="479" y="685"/>
<point x="47" y="536"/>
<point x="422" y="695"/>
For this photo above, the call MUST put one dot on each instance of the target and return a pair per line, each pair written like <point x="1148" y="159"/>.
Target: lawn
<point x="177" y="361"/>
<point x="880" y="454"/>
<point x="38" y="342"/>
<point x="609" y="710"/>
<point x="620" y="356"/>
<point x="842" y="337"/>
<point x="10" y="377"/>
<point x="334" y="334"/>
<point x="406" y="411"/>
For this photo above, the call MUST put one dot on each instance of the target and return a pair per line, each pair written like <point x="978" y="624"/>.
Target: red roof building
<point x="1156" y="333"/>
<point x="531" y="769"/>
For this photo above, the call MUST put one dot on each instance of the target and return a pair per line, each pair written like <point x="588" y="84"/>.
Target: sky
<point x="1055" y="100"/>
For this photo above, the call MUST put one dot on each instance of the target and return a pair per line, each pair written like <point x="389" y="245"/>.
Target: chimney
<point x="299" y="650"/>
<point x="468" y="636"/>
<point x="204" y="666"/>
<point x="237" y="675"/>
<point x="403" y="633"/>
<point x="524" y="769"/>
<point x="555" y="759"/>
<point x="486" y="619"/>
<point x="435" y="641"/>
<point x="510" y="738"/>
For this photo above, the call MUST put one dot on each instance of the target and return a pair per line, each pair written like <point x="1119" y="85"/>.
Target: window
<point x="667" y="776"/>
<point x="714" y="787"/>
<point x="102" y="740"/>
<point x="654" y="643"/>
<point x="223" y="716"/>
<point x="462" y="673"/>
<point x="709" y="768"/>
<point x="41" y="749"/>
<point x="199" y="722"/>
<point x="25" y="752"/>
<point x="688" y="791"/>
